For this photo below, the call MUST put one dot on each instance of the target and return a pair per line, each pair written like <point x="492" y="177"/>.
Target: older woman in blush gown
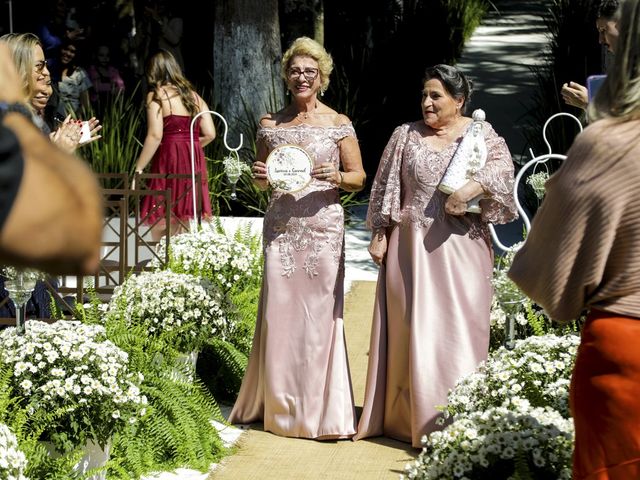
<point x="297" y="381"/>
<point x="431" y="317"/>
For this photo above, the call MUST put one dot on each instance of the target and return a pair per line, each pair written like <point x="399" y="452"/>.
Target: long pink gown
<point x="173" y="156"/>
<point x="297" y="381"/>
<point x="431" y="316"/>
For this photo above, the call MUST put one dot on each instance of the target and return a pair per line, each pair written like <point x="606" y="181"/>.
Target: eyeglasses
<point x="309" y="73"/>
<point x="39" y="66"/>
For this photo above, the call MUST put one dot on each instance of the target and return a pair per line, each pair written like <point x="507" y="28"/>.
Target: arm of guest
<point x="259" y="169"/>
<point x="154" y="134"/>
<point x="353" y="177"/>
<point x="496" y="180"/>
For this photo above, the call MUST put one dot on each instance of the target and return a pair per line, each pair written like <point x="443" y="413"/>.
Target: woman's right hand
<point x="68" y="135"/>
<point x="378" y="246"/>
<point x="259" y="174"/>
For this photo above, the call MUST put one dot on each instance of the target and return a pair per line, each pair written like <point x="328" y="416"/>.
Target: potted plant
<point x="187" y="311"/>
<point x="72" y="369"/>
<point x="224" y="260"/>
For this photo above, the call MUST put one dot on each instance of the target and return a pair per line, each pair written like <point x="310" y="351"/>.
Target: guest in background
<point x="106" y="79"/>
<point x="171" y="105"/>
<point x="54" y="28"/>
<point x="28" y="56"/>
<point x="583" y="252"/>
<point x="431" y="318"/>
<point x="72" y="81"/>
<point x="297" y="381"/>
<point x="166" y="29"/>
<point x="573" y="93"/>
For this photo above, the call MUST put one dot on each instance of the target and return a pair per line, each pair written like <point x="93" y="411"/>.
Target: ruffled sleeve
<point x="385" y="198"/>
<point x="496" y="178"/>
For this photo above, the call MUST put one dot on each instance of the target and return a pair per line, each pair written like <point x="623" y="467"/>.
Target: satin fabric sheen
<point x="431" y="317"/>
<point x="297" y="381"/>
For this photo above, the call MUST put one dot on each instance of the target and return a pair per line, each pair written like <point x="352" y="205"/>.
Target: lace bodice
<point x="405" y="187"/>
<point x="308" y="223"/>
<point x="320" y="142"/>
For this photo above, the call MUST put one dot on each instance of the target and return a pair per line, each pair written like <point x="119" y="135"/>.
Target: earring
<point x="322" y="92"/>
<point x="287" y="92"/>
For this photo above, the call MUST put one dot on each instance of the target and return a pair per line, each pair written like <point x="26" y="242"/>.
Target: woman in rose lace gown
<point x="431" y="316"/>
<point x="297" y="381"/>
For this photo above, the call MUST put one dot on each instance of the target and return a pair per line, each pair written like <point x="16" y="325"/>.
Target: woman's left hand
<point x="455" y="205"/>
<point x="326" y="172"/>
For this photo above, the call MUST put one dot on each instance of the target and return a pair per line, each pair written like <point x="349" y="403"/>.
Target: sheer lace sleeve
<point x="496" y="178"/>
<point x="385" y="198"/>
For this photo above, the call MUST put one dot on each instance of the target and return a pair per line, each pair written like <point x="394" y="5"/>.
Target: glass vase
<point x="20" y="288"/>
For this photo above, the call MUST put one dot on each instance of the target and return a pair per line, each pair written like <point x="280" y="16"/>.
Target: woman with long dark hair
<point x="171" y="104"/>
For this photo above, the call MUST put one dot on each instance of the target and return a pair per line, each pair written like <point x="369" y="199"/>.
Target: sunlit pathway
<point x="498" y="58"/>
<point x="263" y="456"/>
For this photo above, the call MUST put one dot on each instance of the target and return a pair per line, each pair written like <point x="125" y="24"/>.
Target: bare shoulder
<point x="341" y="119"/>
<point x="270" y="119"/>
<point x="150" y="100"/>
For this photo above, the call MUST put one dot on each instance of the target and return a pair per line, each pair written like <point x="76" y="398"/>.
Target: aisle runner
<point x="264" y="456"/>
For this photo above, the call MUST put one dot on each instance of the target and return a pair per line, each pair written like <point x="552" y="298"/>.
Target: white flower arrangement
<point x="207" y="253"/>
<point x="234" y="167"/>
<point x="12" y="460"/>
<point x="537" y="369"/>
<point x="537" y="182"/>
<point x="506" y="293"/>
<point x="185" y="307"/>
<point x="71" y="368"/>
<point x="511" y="441"/>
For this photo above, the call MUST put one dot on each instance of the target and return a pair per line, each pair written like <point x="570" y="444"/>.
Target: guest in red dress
<point x="171" y="105"/>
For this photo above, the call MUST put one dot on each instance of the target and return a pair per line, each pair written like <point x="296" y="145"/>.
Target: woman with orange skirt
<point x="583" y="252"/>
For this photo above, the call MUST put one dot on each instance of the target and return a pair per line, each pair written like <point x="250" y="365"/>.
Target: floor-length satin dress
<point x="297" y="381"/>
<point x="431" y="316"/>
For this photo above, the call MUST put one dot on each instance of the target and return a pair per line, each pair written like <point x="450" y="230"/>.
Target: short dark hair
<point x="607" y="8"/>
<point x="455" y="82"/>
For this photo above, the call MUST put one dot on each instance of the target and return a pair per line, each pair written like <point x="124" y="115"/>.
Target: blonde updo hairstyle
<point x="307" y="47"/>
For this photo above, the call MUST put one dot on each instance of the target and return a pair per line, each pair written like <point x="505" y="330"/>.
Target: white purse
<point x="470" y="156"/>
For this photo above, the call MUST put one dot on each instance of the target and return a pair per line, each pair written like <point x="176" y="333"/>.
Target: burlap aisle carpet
<point x="264" y="456"/>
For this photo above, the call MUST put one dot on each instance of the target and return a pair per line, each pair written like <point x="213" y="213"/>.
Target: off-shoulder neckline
<point x="291" y="127"/>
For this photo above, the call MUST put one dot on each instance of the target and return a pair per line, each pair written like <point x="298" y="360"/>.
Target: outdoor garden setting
<point x="133" y="374"/>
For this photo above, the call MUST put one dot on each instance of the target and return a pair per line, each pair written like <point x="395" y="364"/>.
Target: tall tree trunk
<point x="246" y="62"/>
<point x="318" y="21"/>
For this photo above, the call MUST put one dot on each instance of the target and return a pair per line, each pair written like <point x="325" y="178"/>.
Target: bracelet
<point x="341" y="178"/>
<point x="15" y="107"/>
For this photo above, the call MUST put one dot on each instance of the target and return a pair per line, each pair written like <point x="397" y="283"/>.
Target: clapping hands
<point x="69" y="135"/>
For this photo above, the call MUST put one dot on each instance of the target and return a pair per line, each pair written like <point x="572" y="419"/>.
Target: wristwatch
<point x="15" y="107"/>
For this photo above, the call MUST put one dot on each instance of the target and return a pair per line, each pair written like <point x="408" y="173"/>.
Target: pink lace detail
<point x="405" y="187"/>
<point x="311" y="220"/>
